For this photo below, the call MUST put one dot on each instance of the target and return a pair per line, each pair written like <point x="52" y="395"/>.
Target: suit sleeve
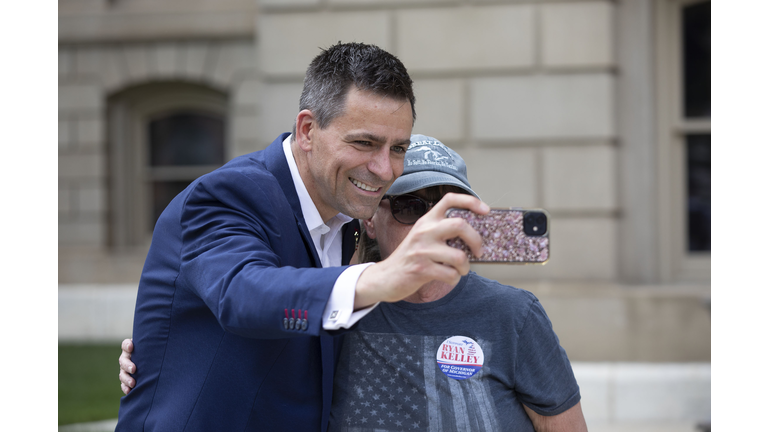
<point x="242" y="253"/>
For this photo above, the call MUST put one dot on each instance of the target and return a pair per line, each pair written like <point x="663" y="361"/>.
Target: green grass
<point x="88" y="386"/>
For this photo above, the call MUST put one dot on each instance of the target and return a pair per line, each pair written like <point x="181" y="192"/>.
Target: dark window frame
<point x="676" y="262"/>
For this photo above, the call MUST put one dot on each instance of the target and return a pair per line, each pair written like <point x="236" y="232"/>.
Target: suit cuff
<point x="339" y="311"/>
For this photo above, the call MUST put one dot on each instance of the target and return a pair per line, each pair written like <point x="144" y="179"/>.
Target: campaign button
<point x="460" y="357"/>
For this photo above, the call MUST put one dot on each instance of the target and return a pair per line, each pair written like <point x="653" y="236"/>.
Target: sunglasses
<point x="407" y="209"/>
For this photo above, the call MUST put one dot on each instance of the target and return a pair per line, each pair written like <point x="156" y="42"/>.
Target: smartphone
<point x="510" y="236"/>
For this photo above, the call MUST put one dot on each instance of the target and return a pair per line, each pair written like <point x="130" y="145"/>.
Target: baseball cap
<point x="428" y="162"/>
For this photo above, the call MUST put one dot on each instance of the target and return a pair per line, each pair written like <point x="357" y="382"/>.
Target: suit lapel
<point x="278" y="166"/>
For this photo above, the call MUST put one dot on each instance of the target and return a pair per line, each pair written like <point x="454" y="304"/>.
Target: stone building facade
<point x="569" y="105"/>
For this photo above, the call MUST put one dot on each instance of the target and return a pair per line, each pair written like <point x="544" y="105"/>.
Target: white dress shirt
<point x="339" y="311"/>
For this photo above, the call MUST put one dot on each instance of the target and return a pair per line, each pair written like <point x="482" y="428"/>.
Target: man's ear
<point x="370" y="229"/>
<point x="305" y="129"/>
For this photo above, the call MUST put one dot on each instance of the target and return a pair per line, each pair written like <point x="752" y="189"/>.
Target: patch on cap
<point x="430" y="152"/>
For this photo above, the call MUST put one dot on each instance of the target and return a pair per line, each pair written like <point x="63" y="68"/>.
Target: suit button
<point x="291" y="323"/>
<point x="304" y="324"/>
<point x="285" y="323"/>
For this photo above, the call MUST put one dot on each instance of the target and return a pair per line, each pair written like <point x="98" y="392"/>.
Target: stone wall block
<point x="80" y="97"/>
<point x="90" y="131"/>
<point x="115" y="74"/>
<point x="466" y="38"/>
<point x="440" y="108"/>
<point x="288" y="3"/>
<point x="81" y="233"/>
<point x="503" y="177"/>
<point x="66" y="61"/>
<point x="578" y="34"/>
<point x="245" y="55"/>
<point x="138" y="65"/>
<point x="591" y="328"/>
<point x="388" y="3"/>
<point x="91" y="198"/>
<point x="290" y="52"/>
<point x="247" y="93"/>
<point x="583" y="248"/>
<point x="244" y="127"/>
<point x="242" y="147"/>
<point x="580" y="178"/>
<point x="542" y="107"/>
<point x="278" y="108"/>
<point x="89" y="61"/>
<point x="691" y="339"/>
<point x="81" y="166"/>
<point x="232" y="58"/>
<point x="65" y="201"/>
<point x="66" y="129"/>
<point x="193" y="61"/>
<point x="166" y="59"/>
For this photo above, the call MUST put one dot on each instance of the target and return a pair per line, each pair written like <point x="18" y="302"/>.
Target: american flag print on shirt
<point x="392" y="382"/>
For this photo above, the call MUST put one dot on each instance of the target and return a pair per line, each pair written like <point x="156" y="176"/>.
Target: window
<point x="684" y="71"/>
<point x="696" y="82"/>
<point x="162" y="137"/>
<point x="183" y="145"/>
<point x="699" y="174"/>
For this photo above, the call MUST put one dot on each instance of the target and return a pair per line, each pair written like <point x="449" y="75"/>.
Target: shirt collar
<point x="311" y="215"/>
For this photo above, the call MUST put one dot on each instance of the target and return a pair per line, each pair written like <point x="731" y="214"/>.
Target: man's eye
<point x="399" y="150"/>
<point x="363" y="143"/>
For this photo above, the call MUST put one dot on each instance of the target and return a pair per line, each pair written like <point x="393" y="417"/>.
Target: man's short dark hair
<point x="332" y="74"/>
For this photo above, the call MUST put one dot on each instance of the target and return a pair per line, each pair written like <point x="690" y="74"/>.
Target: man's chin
<point x="361" y="211"/>
<point x="360" y="214"/>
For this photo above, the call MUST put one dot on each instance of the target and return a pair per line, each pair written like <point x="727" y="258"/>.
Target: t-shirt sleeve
<point x="544" y="380"/>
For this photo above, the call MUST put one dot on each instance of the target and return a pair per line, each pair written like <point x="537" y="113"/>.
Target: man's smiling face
<point x="352" y="162"/>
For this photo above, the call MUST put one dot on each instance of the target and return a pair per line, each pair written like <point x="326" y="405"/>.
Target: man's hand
<point x="127" y="367"/>
<point x="423" y="255"/>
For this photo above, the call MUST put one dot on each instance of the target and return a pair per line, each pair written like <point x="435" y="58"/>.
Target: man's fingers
<point x="459" y="228"/>
<point x="449" y="228"/>
<point x="471" y="237"/>
<point x="126" y="379"/>
<point x="125" y="363"/>
<point x="447" y="259"/>
<point x="127" y="345"/>
<point x="448" y="273"/>
<point x="454" y="200"/>
<point x="125" y="389"/>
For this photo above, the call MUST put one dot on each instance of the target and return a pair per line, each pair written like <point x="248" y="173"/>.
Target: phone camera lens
<point x="535" y="224"/>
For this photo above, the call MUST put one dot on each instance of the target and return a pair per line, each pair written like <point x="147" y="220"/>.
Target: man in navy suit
<point x="243" y="289"/>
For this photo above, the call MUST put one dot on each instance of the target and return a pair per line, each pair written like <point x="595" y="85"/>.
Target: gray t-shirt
<point x="495" y="344"/>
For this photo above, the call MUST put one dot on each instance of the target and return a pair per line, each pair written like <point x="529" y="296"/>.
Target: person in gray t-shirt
<point x="477" y="355"/>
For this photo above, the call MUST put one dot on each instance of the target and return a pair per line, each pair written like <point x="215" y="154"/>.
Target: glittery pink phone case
<point x="504" y="236"/>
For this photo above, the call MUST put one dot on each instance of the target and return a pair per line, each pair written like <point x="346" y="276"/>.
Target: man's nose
<point x="382" y="164"/>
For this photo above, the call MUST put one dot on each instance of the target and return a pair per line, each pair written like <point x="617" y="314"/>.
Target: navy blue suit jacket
<point x="229" y="256"/>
